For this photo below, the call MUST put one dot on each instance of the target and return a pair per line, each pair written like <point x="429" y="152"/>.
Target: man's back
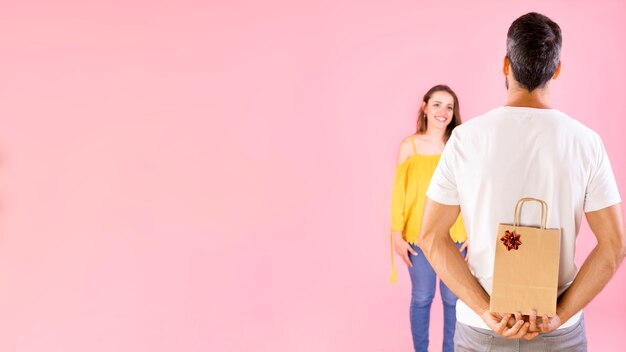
<point x="523" y="150"/>
<point x="494" y="160"/>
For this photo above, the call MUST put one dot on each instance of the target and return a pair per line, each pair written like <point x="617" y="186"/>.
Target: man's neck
<point x="520" y="97"/>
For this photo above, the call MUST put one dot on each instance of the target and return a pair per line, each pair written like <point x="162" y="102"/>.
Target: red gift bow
<point x="511" y="240"/>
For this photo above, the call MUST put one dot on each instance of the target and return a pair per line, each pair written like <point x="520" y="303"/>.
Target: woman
<point x="419" y="154"/>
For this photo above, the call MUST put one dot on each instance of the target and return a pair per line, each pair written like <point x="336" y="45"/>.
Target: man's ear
<point x="557" y="72"/>
<point x="506" y="66"/>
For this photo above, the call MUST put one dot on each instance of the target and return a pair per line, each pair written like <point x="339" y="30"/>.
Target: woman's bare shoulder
<point x="406" y="149"/>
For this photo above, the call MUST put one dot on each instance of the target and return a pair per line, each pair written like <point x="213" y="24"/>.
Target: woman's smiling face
<point x="439" y="110"/>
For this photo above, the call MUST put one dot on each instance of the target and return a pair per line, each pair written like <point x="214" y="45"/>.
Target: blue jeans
<point x="424" y="282"/>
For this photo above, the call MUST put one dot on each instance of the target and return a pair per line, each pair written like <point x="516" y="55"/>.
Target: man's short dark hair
<point x="533" y="47"/>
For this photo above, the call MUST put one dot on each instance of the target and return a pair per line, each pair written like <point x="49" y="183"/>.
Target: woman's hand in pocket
<point x="464" y="247"/>
<point x="402" y="247"/>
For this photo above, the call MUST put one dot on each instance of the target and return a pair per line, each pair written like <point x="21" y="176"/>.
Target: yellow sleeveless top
<point x="408" y="198"/>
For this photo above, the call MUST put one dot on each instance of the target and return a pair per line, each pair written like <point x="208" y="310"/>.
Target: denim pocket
<point x="571" y="339"/>
<point x="470" y="339"/>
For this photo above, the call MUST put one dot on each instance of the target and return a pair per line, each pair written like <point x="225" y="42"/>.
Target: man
<point x="524" y="149"/>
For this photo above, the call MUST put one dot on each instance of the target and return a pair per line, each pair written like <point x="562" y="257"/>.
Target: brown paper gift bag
<point x="526" y="268"/>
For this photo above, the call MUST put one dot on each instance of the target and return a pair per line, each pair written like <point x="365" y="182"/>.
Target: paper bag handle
<point x="518" y="211"/>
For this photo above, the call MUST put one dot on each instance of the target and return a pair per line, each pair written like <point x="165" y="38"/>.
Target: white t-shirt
<point x="492" y="161"/>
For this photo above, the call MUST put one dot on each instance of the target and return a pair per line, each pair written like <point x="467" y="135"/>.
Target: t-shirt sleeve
<point x="443" y="186"/>
<point x="601" y="189"/>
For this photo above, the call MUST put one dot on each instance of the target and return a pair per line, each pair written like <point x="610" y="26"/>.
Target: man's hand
<point x="536" y="325"/>
<point x="402" y="247"/>
<point x="501" y="325"/>
<point x="546" y="325"/>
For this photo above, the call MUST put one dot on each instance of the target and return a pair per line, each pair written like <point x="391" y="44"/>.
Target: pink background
<point x="183" y="176"/>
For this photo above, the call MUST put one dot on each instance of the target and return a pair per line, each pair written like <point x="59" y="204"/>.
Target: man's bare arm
<point x="608" y="226"/>
<point x="440" y="250"/>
